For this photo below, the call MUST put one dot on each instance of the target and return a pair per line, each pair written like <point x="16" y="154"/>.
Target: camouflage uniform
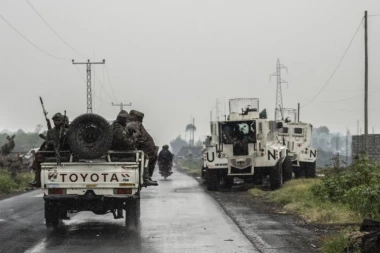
<point x="54" y="136"/>
<point x="145" y="141"/>
<point x="122" y="138"/>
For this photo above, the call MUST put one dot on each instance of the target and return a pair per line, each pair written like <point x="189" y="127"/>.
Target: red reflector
<point x="122" y="191"/>
<point x="55" y="191"/>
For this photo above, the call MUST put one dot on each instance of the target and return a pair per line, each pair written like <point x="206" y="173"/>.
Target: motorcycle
<point x="165" y="169"/>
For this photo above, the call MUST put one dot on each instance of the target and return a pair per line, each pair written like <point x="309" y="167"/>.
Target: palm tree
<point x="191" y="128"/>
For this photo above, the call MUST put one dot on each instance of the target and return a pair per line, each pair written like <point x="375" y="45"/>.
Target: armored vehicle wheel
<point x="299" y="172"/>
<point x="227" y="182"/>
<point x="89" y="136"/>
<point x="52" y="214"/>
<point x="132" y="213"/>
<point x="287" y="169"/>
<point x="212" y="180"/>
<point x="310" y="170"/>
<point x="275" y="177"/>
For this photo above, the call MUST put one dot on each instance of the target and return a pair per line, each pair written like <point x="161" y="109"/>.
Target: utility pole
<point x="279" y="105"/>
<point x="299" y="112"/>
<point x="366" y="85"/>
<point x="347" y="138"/>
<point x="359" y="138"/>
<point x="121" y="105"/>
<point x="89" y="92"/>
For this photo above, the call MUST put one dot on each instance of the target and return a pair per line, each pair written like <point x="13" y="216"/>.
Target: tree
<point x="177" y="144"/>
<point x="323" y="130"/>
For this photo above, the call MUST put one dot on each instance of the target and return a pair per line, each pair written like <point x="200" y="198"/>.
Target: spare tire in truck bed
<point x="89" y="136"/>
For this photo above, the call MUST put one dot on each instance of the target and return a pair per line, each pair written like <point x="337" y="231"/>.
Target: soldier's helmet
<point x="165" y="147"/>
<point x="58" y="115"/>
<point x="136" y="116"/>
<point x="122" y="116"/>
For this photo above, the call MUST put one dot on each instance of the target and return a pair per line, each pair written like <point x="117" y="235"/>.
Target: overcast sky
<point x="173" y="58"/>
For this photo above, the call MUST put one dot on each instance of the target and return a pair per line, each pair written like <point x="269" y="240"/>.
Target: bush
<point x="357" y="186"/>
<point x="7" y="184"/>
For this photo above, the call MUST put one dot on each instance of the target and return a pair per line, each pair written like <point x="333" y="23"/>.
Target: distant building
<point x="373" y="146"/>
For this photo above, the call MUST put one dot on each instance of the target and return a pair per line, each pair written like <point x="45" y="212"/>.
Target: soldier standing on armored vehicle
<point x="145" y="141"/>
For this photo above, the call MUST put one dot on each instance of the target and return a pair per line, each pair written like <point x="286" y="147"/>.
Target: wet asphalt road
<point x="177" y="216"/>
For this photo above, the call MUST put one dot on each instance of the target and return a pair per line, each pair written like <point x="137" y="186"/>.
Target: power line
<point x="109" y="80"/>
<point x="22" y="36"/>
<point x="51" y="28"/>
<point x="336" y="68"/>
<point x="374" y="15"/>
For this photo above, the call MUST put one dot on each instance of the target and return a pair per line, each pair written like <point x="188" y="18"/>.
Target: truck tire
<point x="275" y="177"/>
<point x="89" y="136"/>
<point x="212" y="180"/>
<point x="132" y="213"/>
<point x="287" y="169"/>
<point x="310" y="170"/>
<point x="299" y="172"/>
<point x="52" y="214"/>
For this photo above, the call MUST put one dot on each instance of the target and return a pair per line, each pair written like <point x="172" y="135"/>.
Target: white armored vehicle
<point x="297" y="137"/>
<point x="89" y="176"/>
<point x="244" y="146"/>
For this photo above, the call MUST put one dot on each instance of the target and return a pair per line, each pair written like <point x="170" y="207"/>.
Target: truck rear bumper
<point x="90" y="202"/>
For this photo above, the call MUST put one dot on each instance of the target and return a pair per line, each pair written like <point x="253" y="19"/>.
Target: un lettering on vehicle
<point x="93" y="177"/>
<point x="221" y="164"/>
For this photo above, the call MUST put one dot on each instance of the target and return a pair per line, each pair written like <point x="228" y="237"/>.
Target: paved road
<point x="177" y="216"/>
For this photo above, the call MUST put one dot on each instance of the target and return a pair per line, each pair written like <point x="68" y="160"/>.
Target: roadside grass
<point x="8" y="184"/>
<point x="296" y="196"/>
<point x="191" y="166"/>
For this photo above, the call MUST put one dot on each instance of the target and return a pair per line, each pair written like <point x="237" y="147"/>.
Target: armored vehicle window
<point x="284" y="130"/>
<point x="238" y="131"/>
<point x="298" y="130"/>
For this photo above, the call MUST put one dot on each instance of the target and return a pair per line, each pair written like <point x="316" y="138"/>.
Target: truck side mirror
<point x="279" y="125"/>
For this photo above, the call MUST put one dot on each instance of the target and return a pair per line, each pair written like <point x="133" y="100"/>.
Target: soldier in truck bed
<point x="54" y="136"/>
<point x="127" y="138"/>
<point x="145" y="141"/>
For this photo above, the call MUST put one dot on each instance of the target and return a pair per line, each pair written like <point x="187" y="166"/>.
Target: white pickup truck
<point x="100" y="186"/>
<point x="88" y="176"/>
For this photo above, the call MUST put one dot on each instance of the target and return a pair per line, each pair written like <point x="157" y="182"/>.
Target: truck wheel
<point x="275" y="176"/>
<point x="52" y="214"/>
<point x="310" y="170"/>
<point x="287" y="169"/>
<point x="212" y="180"/>
<point x="132" y="213"/>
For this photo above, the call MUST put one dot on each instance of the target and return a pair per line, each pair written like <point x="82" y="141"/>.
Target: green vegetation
<point x="9" y="184"/>
<point x="344" y="195"/>
<point x="296" y="196"/>
<point x="357" y="187"/>
<point x="340" y="242"/>
<point x="191" y="166"/>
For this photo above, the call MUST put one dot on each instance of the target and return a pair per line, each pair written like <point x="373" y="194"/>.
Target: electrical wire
<point x="336" y="68"/>
<point x="30" y="42"/>
<point x="109" y="80"/>
<point x="370" y="93"/>
<point x="51" y="28"/>
<point x="102" y="84"/>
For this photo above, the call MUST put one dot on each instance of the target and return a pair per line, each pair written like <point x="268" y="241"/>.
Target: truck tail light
<point x="56" y="191"/>
<point x="122" y="191"/>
